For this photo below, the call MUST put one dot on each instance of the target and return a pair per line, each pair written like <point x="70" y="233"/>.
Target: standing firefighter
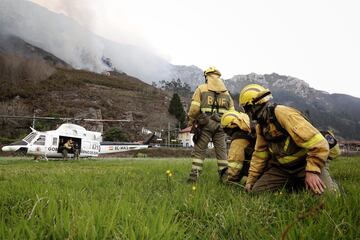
<point x="209" y="102"/>
<point x="237" y="126"/>
<point x="289" y="151"/>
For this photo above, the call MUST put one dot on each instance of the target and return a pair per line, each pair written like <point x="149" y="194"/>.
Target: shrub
<point x="115" y="134"/>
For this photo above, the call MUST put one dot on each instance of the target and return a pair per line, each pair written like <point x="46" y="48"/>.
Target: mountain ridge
<point x="338" y="112"/>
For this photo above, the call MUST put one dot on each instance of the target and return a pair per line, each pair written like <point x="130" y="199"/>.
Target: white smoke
<point x="74" y="42"/>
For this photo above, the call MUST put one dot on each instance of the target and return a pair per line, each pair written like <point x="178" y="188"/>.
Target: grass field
<point x="136" y="199"/>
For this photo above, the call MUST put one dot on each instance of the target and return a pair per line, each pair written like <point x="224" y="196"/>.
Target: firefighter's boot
<point x="223" y="175"/>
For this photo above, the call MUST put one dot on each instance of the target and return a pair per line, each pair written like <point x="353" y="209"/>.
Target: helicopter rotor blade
<point x="103" y="120"/>
<point x="66" y="119"/>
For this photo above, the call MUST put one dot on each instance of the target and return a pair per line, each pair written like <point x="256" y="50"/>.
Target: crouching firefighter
<point x="289" y="151"/>
<point x="237" y="126"/>
<point x="209" y="102"/>
<point x="333" y="154"/>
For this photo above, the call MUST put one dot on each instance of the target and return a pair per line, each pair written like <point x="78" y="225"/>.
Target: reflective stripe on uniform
<point x="293" y="157"/>
<point x="208" y="110"/>
<point x="195" y="103"/>
<point x="262" y="154"/>
<point x="235" y="165"/>
<point x="222" y="161"/>
<point x="222" y="164"/>
<point x="314" y="140"/>
<point x="196" y="167"/>
<point x="221" y="167"/>
<point x="197" y="164"/>
<point x="196" y="160"/>
<point x="286" y="145"/>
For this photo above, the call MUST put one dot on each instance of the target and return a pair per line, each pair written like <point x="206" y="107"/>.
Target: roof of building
<point x="350" y="142"/>
<point x="185" y="130"/>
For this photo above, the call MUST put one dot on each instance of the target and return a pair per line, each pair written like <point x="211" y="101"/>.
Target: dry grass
<point x="70" y="93"/>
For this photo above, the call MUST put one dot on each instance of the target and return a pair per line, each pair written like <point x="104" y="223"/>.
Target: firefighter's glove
<point x="248" y="187"/>
<point x="196" y="130"/>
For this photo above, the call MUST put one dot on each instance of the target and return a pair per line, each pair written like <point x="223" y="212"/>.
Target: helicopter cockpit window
<point x="54" y="141"/>
<point x="30" y="137"/>
<point x="40" y="141"/>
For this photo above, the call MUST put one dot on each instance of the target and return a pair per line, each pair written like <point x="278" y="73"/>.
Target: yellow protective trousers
<point x="211" y="131"/>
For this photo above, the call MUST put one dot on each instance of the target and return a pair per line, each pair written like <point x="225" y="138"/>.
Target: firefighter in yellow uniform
<point x="289" y="151"/>
<point x="237" y="126"/>
<point x="209" y="102"/>
<point x="68" y="146"/>
<point x="333" y="153"/>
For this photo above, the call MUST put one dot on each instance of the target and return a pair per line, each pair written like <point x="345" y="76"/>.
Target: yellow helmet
<point x="233" y="119"/>
<point x="212" y="70"/>
<point x="254" y="94"/>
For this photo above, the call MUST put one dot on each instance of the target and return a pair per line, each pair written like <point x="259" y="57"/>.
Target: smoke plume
<point x="70" y="38"/>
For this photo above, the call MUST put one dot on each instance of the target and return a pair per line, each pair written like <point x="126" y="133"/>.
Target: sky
<point x="316" y="41"/>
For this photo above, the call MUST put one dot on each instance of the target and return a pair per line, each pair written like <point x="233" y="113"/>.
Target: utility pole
<point x="33" y="122"/>
<point x="168" y="134"/>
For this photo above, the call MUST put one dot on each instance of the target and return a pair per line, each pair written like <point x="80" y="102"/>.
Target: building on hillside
<point x="186" y="138"/>
<point x="350" y="147"/>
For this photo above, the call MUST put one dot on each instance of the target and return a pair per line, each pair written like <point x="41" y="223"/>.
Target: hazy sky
<point x="314" y="40"/>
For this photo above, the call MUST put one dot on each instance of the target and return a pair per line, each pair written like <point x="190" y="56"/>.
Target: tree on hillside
<point x="176" y="109"/>
<point x="115" y="134"/>
<point x="176" y="86"/>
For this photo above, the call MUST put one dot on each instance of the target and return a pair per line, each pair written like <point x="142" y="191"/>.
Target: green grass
<point x="135" y="199"/>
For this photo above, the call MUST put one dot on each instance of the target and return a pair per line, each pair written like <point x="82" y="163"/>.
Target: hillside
<point x="78" y="93"/>
<point x="16" y="46"/>
<point x="76" y="45"/>
<point x="79" y="47"/>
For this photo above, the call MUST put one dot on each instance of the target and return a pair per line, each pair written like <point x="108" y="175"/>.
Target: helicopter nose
<point x="6" y="149"/>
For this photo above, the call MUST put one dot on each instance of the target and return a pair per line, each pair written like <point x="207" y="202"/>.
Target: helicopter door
<point x="39" y="144"/>
<point x="64" y="139"/>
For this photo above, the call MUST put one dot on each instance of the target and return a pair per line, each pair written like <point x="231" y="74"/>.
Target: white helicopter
<point x="50" y="144"/>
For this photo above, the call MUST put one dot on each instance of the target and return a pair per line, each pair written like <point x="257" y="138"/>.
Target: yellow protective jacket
<point x="236" y="157"/>
<point x="68" y="145"/>
<point x="302" y="141"/>
<point x="240" y="141"/>
<point x="204" y="97"/>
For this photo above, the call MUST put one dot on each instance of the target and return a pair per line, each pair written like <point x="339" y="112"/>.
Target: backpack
<point x="328" y="135"/>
